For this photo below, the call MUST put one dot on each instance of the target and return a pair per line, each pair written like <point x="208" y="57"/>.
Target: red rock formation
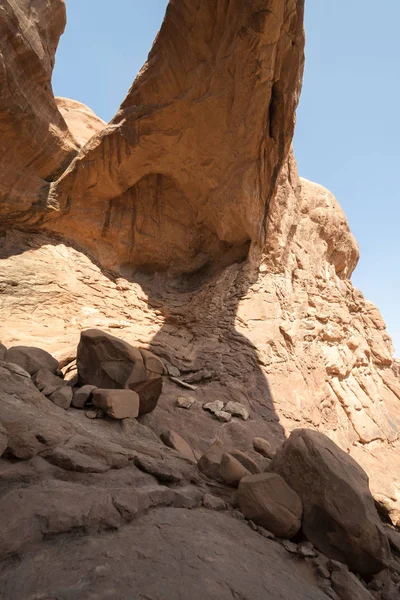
<point x="184" y="173"/>
<point x="35" y="144"/>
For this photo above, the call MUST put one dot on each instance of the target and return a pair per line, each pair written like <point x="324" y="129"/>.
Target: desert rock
<point x="175" y="441"/>
<point x="118" y="404"/>
<point x="82" y="395"/>
<point x="36" y="146"/>
<point x="266" y="499"/>
<point x="232" y="470"/>
<point x="107" y="362"/>
<point x="82" y="122"/>
<point x="336" y="499"/>
<point x="31" y="359"/>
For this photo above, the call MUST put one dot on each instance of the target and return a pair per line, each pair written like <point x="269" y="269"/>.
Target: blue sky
<point x="347" y="135"/>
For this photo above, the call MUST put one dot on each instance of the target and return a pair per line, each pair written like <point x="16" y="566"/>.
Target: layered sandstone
<point x="183" y="227"/>
<point x="35" y="144"/>
<point x="183" y="175"/>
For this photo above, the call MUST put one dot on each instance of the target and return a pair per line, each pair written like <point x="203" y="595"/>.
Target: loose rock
<point x="237" y="410"/>
<point x="117" y="404"/>
<point x="348" y="587"/>
<point x="223" y="416"/>
<point x="209" y="463"/>
<point x="82" y="396"/>
<point x="175" y="441"/>
<point x="46" y="379"/>
<point x="231" y="470"/>
<point x="342" y="524"/>
<point x="185" y="402"/>
<point x="263" y="447"/>
<point x="246" y="461"/>
<point x="62" y="397"/>
<point x="214" y="407"/>
<point x="269" y="501"/>
<point x="31" y="359"/>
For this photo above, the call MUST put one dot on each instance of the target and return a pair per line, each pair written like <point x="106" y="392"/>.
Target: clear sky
<point x="348" y="131"/>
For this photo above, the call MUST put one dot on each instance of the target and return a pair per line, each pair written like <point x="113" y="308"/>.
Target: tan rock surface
<point x="82" y="122"/>
<point x="35" y="144"/>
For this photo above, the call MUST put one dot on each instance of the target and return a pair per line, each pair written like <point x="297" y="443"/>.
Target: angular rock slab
<point x="117" y="404"/>
<point x="110" y="363"/>
<point x="339" y="517"/>
<point x="266" y="499"/>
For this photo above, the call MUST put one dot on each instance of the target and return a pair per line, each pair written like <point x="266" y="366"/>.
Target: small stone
<point x="213" y="502"/>
<point x="176" y="442"/>
<point x="187" y="497"/>
<point x="214" y="407"/>
<point x="46" y="379"/>
<point x="172" y="371"/>
<point x="185" y="402"/>
<point x="290" y="546"/>
<point x="263" y="447"/>
<point x="232" y="471"/>
<point x="223" y="416"/>
<point x="91" y="414"/>
<point x="62" y="397"/>
<point x="117" y="404"/>
<point x="252" y="525"/>
<point x="237" y="410"/>
<point x="82" y="396"/>
<point x="306" y="552"/>
<point x="265" y="533"/>
<point x="323" y="572"/>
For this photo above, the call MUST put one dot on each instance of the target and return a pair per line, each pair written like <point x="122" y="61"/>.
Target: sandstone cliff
<point x="183" y="227"/>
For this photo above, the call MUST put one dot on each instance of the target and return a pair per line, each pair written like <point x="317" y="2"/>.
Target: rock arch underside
<point x="183" y="227"/>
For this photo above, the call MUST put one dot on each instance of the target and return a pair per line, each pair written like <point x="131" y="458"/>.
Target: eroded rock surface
<point x="82" y="122"/>
<point x="35" y="143"/>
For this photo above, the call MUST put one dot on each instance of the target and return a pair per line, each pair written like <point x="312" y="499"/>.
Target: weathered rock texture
<point x="163" y="186"/>
<point x="35" y="144"/>
<point x="192" y="176"/>
<point x="82" y="122"/>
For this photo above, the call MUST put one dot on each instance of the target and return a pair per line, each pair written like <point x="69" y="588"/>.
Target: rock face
<point x="339" y="512"/>
<point x="82" y="122"/>
<point x="182" y="116"/>
<point x="35" y="144"/>
<point x="226" y="265"/>
<point x="108" y="362"/>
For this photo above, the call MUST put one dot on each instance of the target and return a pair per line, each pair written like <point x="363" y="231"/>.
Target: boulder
<point x="45" y="379"/>
<point x="82" y="396"/>
<point x="209" y="463"/>
<point x="348" y="587"/>
<point x="246" y="461"/>
<point x="231" y="470"/>
<point x="117" y="404"/>
<point x="339" y="512"/>
<point x="31" y="359"/>
<point x="263" y="447"/>
<point x="175" y="441"/>
<point x="110" y="363"/>
<point x="266" y="499"/>
<point x="62" y="397"/>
